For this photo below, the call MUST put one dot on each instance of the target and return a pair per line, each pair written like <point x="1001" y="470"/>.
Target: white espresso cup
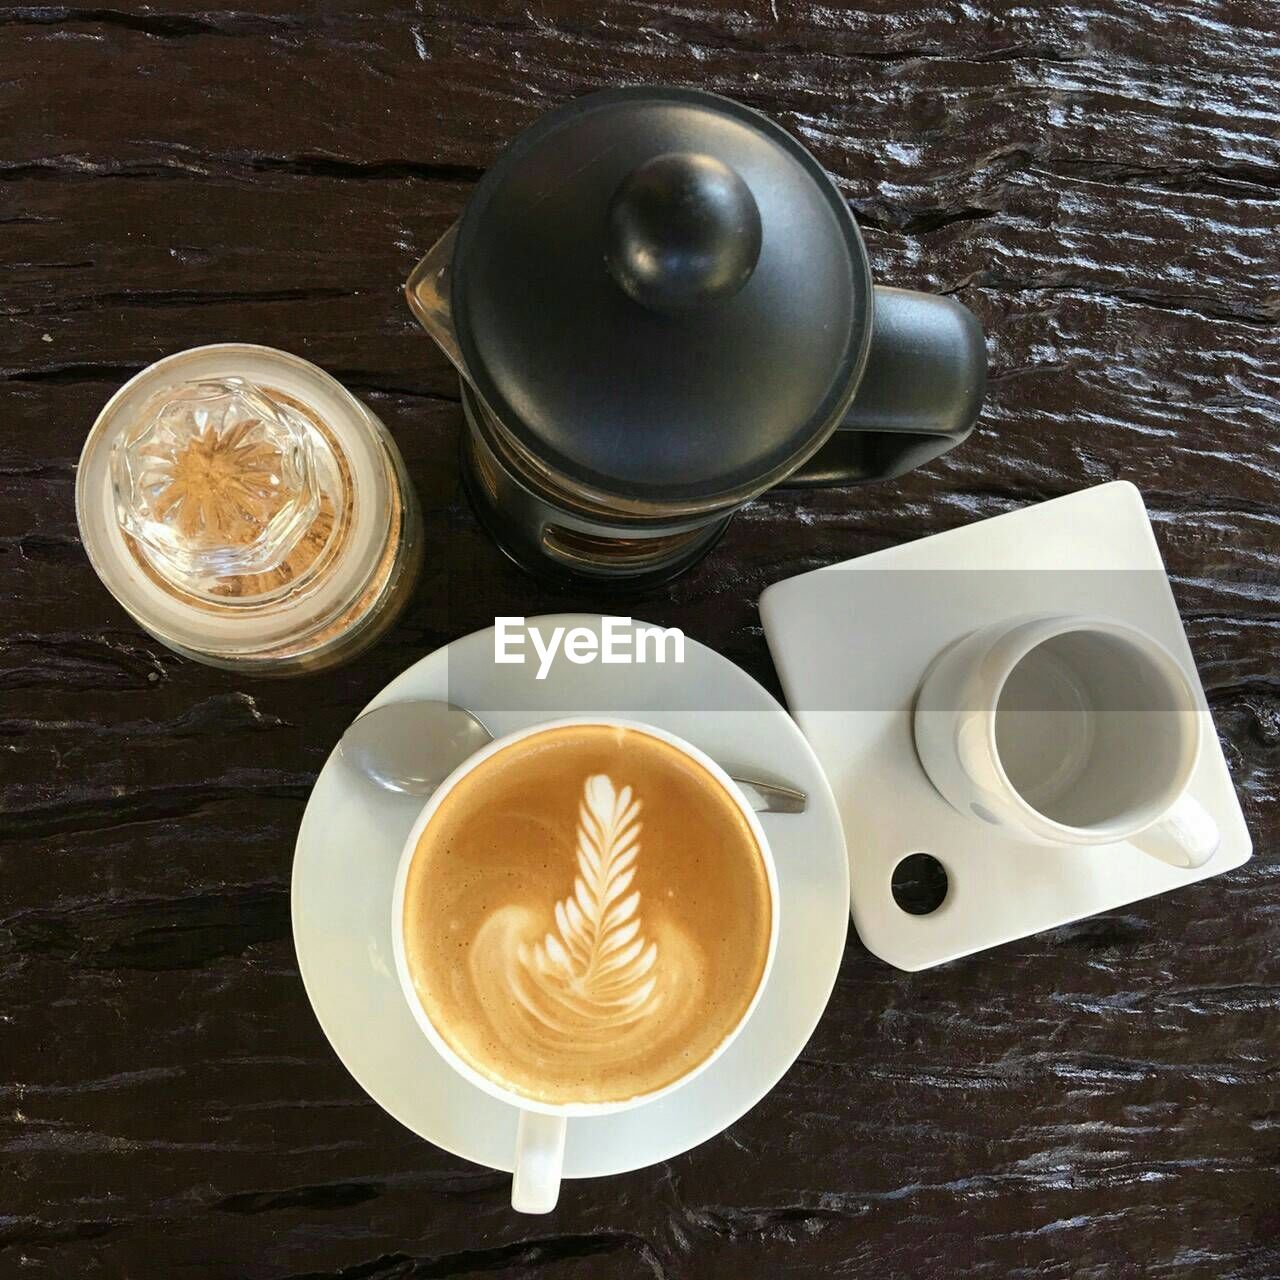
<point x="1068" y="730"/>
<point x="541" y="1126"/>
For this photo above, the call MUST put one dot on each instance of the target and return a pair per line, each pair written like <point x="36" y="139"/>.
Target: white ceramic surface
<point x="1068" y="730"/>
<point x="852" y="643"/>
<point x="539" y="1148"/>
<point x="349" y="847"/>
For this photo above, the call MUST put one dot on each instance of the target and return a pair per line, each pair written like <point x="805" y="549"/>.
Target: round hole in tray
<point x="919" y="884"/>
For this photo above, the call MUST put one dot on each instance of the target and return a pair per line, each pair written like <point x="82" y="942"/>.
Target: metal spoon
<point x="412" y="747"/>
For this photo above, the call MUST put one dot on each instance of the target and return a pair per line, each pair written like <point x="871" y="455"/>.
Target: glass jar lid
<point x="236" y="501"/>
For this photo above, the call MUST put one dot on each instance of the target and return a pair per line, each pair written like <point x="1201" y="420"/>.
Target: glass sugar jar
<point x="248" y="511"/>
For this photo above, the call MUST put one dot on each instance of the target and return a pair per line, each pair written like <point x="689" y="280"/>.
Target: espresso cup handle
<point x="535" y="1186"/>
<point x="1186" y="836"/>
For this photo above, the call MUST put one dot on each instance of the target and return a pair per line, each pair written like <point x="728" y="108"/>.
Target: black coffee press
<point x="660" y="306"/>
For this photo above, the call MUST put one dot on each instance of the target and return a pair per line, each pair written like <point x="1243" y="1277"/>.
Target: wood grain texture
<point x="1098" y="179"/>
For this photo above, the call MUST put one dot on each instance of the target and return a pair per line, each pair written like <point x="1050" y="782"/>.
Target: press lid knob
<point x="684" y="231"/>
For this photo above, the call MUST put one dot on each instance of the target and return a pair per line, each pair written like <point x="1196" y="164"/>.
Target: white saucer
<point x="851" y="643"/>
<point x="349" y="845"/>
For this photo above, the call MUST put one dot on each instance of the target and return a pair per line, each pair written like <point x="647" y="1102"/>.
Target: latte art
<point x="587" y="915"/>
<point x="595" y="968"/>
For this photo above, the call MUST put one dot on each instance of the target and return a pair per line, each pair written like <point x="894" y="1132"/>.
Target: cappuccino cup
<point x="1068" y="730"/>
<point x="584" y="918"/>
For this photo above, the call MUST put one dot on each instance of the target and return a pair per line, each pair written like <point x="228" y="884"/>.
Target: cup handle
<point x="1186" y="836"/>
<point x="535" y="1186"/>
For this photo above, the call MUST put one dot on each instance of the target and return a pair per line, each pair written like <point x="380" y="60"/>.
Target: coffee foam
<point x="587" y="915"/>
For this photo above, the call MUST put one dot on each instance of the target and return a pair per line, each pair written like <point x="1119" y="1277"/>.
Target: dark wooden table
<point x="1098" y="179"/>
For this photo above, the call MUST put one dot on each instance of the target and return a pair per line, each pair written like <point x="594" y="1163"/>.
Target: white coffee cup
<point x="1068" y="730"/>
<point x="541" y="1128"/>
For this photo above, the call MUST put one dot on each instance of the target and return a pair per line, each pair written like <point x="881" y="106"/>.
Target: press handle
<point x="535" y="1185"/>
<point x="919" y="395"/>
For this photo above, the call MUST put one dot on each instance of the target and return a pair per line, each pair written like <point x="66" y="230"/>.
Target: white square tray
<point x="851" y="643"/>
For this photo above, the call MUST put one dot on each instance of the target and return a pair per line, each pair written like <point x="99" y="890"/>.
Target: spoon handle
<point x="770" y="797"/>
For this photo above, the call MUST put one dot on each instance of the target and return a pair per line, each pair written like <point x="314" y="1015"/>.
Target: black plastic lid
<point x="661" y="295"/>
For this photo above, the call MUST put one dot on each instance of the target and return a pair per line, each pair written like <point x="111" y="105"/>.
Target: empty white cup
<point x="1068" y="730"/>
